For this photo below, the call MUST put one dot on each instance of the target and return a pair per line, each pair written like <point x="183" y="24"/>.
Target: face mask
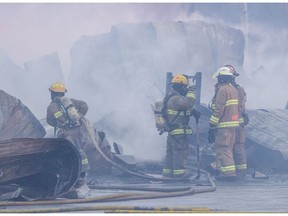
<point x="184" y="91"/>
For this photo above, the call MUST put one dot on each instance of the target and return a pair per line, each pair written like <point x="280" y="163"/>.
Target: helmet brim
<point x="214" y="76"/>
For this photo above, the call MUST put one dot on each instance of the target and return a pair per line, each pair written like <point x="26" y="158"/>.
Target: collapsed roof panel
<point x="16" y="120"/>
<point x="269" y="128"/>
<point x="40" y="168"/>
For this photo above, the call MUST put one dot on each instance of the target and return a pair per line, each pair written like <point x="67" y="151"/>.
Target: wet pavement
<point x="249" y="195"/>
<point x="243" y="196"/>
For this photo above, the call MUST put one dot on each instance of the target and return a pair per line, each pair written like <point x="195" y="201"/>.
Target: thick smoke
<point x="266" y="67"/>
<point x="32" y="30"/>
<point x="29" y="31"/>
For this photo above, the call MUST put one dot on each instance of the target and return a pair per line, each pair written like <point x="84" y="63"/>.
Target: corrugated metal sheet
<point x="21" y="147"/>
<point x="16" y="120"/>
<point x="49" y="165"/>
<point x="269" y="128"/>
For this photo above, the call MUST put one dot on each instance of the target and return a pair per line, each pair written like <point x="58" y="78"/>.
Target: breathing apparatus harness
<point x="167" y="126"/>
<point x="72" y="117"/>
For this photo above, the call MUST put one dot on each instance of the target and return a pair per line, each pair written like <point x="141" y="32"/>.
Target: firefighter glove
<point x="245" y="118"/>
<point x="196" y="114"/>
<point x="184" y="90"/>
<point x="211" y="135"/>
<point x="192" y="88"/>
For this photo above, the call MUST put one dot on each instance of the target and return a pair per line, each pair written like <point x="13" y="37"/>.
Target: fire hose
<point x="143" y="175"/>
<point x="134" y="173"/>
<point x="156" y="192"/>
<point x="116" y="209"/>
<point x="107" y="198"/>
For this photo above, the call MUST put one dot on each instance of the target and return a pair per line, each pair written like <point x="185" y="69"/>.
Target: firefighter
<point x="239" y="153"/>
<point x="179" y="105"/>
<point x="223" y="123"/>
<point x="69" y="125"/>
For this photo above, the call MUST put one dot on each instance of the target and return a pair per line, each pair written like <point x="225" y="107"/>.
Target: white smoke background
<point x="36" y="31"/>
<point x="121" y="66"/>
<point x="266" y="67"/>
<point x="24" y="39"/>
<point x="263" y="73"/>
<point x="27" y="28"/>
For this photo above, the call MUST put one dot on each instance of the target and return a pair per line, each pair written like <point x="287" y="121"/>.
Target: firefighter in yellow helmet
<point x="64" y="114"/>
<point x="239" y="153"/>
<point x="223" y="123"/>
<point x="178" y="109"/>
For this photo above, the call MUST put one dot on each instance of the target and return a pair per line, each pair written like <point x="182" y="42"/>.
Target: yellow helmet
<point x="222" y="71"/>
<point x="179" y="78"/>
<point x="58" y="87"/>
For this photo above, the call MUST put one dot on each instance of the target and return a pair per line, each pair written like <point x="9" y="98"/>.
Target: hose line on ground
<point x="156" y="192"/>
<point x="138" y="188"/>
<point x="137" y="174"/>
<point x="115" y="197"/>
<point x="115" y="209"/>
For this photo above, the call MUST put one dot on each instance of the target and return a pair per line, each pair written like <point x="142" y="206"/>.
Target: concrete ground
<point x="249" y="195"/>
<point x="245" y="196"/>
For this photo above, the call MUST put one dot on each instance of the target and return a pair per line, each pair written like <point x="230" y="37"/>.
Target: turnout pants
<point x="176" y="155"/>
<point x="239" y="152"/>
<point x="224" y="142"/>
<point x="74" y="135"/>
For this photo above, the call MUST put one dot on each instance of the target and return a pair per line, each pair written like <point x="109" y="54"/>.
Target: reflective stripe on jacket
<point x="178" y="112"/>
<point x="56" y="118"/>
<point x="225" y="107"/>
<point x="181" y="131"/>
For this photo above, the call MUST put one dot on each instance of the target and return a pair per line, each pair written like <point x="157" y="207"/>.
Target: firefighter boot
<point x="225" y="178"/>
<point x="80" y="189"/>
<point x="241" y="175"/>
<point x="81" y="186"/>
